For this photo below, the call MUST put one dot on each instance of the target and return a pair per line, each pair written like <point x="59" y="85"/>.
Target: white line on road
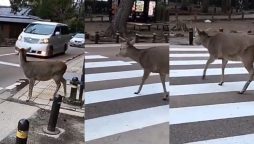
<point x="198" y="62"/>
<point x="242" y="139"/>
<point x="123" y="122"/>
<point x="190" y="55"/>
<point x="13" y="85"/>
<point x="95" y="57"/>
<point x="187" y="49"/>
<point x="10" y="64"/>
<point x="105" y="64"/>
<point x="114" y="75"/>
<point x="211" y="71"/>
<point x="122" y="93"/>
<point x="7" y="54"/>
<point x="210" y="112"/>
<point x="118" y="45"/>
<point x="177" y="90"/>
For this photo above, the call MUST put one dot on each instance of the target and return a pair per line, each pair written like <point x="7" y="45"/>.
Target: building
<point x="11" y="25"/>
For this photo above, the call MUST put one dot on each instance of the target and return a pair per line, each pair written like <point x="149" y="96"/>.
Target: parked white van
<point x="44" y="38"/>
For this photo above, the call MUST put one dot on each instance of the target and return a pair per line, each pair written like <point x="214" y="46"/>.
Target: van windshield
<point x="41" y="29"/>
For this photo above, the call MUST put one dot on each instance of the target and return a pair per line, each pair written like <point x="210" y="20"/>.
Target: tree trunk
<point x="226" y="5"/>
<point x="205" y="4"/>
<point x="119" y="21"/>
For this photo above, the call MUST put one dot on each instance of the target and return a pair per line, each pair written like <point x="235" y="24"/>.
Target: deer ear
<point x="122" y="39"/>
<point x="131" y="42"/>
<point x="27" y="50"/>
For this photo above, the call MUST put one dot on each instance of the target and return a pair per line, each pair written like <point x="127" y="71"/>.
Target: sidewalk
<point x="37" y="111"/>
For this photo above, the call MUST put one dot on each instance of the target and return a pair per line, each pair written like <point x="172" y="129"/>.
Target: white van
<point x="44" y="38"/>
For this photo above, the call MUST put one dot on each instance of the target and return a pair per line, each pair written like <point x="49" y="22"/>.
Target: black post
<point x="137" y="38"/>
<point x="117" y="37"/>
<point x="221" y="29"/>
<point x="74" y="87"/>
<point x="96" y="37"/>
<point x="22" y="132"/>
<point x="82" y="83"/>
<point x="154" y="37"/>
<point x="166" y="37"/>
<point x="51" y="128"/>
<point x="191" y="36"/>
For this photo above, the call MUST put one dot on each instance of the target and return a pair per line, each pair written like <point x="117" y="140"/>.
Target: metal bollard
<point x="154" y="37"/>
<point x="22" y="132"/>
<point x="221" y="29"/>
<point x="74" y="87"/>
<point x="166" y="37"/>
<point x="137" y="38"/>
<point x="117" y="37"/>
<point x="51" y="128"/>
<point x="191" y="36"/>
<point x="97" y="37"/>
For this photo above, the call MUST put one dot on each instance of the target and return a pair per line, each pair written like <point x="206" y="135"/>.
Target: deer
<point x="42" y="71"/>
<point x="153" y="59"/>
<point x="229" y="47"/>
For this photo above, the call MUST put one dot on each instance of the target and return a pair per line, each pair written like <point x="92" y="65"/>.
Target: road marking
<point x="118" y="45"/>
<point x="7" y="54"/>
<point x="198" y="62"/>
<point x="210" y="71"/>
<point x="122" y="93"/>
<point x="190" y="55"/>
<point x="242" y="139"/>
<point x="177" y="90"/>
<point x="105" y="64"/>
<point x="119" y="123"/>
<point x="114" y="75"/>
<point x="186" y="46"/>
<point x="187" y="49"/>
<point x="10" y="64"/>
<point x="13" y="85"/>
<point x="95" y="57"/>
<point x="210" y="112"/>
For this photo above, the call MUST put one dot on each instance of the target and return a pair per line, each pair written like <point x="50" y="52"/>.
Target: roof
<point x="20" y="17"/>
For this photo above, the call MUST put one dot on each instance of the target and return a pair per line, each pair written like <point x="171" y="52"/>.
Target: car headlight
<point x="20" y="38"/>
<point x="44" y="41"/>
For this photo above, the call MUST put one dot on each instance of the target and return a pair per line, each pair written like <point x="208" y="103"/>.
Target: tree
<point x="119" y="21"/>
<point x="205" y="4"/>
<point x="226" y="5"/>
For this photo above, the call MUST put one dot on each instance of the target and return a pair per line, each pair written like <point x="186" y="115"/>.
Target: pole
<point x="22" y="132"/>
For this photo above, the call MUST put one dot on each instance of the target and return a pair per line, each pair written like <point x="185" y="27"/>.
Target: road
<point x="10" y="72"/>
<point x="201" y="111"/>
<point x="113" y="113"/>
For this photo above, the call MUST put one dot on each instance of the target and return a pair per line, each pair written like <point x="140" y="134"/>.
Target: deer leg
<point x="145" y="76"/>
<point x="249" y="66"/>
<point x="31" y="85"/>
<point x="58" y="85"/>
<point x="224" y="63"/>
<point x="64" y="85"/>
<point x="163" y="76"/>
<point x="209" y="61"/>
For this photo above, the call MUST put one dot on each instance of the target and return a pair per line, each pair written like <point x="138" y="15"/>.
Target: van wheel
<point x="50" y="52"/>
<point x="65" y="48"/>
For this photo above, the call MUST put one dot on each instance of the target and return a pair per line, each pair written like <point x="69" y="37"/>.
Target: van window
<point x="57" y="29"/>
<point x="64" y="30"/>
<point x="41" y="29"/>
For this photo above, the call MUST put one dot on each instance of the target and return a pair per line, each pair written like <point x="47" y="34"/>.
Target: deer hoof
<point x="221" y="83"/>
<point x="51" y="99"/>
<point x="203" y="77"/>
<point x="136" y="92"/>
<point x="165" y="98"/>
<point x="240" y="92"/>
<point x="27" y="100"/>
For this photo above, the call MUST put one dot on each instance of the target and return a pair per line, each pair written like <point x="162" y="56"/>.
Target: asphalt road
<point x="10" y="72"/>
<point x="114" y="114"/>
<point x="201" y="111"/>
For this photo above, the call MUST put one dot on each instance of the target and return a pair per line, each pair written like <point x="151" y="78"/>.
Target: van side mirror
<point x="57" y="33"/>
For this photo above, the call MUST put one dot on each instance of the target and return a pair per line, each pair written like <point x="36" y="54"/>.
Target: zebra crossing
<point x="201" y="111"/>
<point x="113" y="113"/>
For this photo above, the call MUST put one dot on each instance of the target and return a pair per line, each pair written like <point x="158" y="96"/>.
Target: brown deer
<point x="42" y="71"/>
<point x="229" y="46"/>
<point x="154" y="59"/>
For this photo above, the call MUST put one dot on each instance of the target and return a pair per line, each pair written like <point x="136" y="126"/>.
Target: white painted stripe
<point x="186" y="46"/>
<point x="123" y="122"/>
<point x="210" y="112"/>
<point x="13" y="85"/>
<point x="115" y="75"/>
<point x="187" y="49"/>
<point x="118" y="45"/>
<point x="86" y="52"/>
<point x="122" y="93"/>
<point x="10" y="64"/>
<point x="7" y="54"/>
<point x="177" y="90"/>
<point x="198" y="62"/>
<point x="105" y="64"/>
<point x="1" y="88"/>
<point x="190" y="55"/>
<point x="242" y="139"/>
<point x="210" y="71"/>
<point x="95" y="57"/>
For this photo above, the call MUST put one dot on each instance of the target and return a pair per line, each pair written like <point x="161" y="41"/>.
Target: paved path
<point x="114" y="114"/>
<point x="201" y="111"/>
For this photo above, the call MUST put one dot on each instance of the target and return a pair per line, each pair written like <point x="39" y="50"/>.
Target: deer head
<point x="126" y="47"/>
